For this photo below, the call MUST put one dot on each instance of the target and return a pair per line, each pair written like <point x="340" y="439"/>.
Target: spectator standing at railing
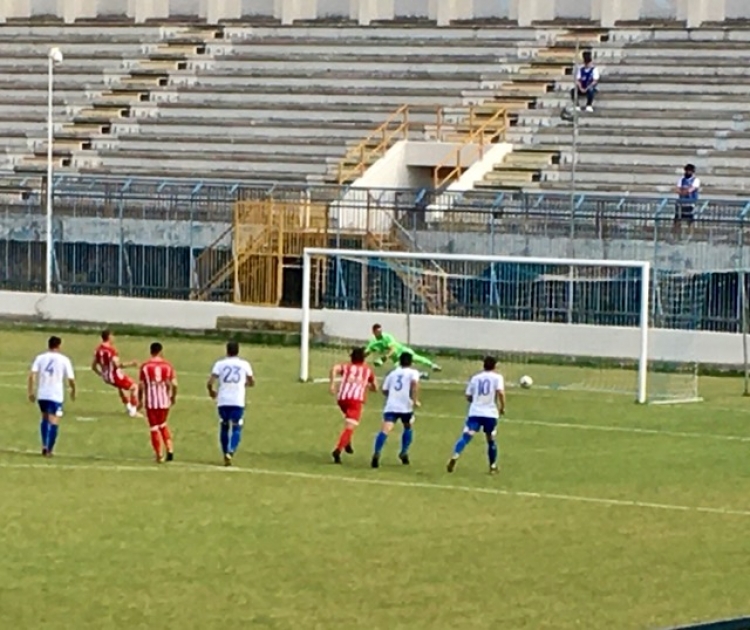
<point x="688" y="191"/>
<point x="587" y="82"/>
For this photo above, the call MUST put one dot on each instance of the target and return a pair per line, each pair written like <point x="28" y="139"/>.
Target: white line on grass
<point x="457" y="417"/>
<point x="206" y="469"/>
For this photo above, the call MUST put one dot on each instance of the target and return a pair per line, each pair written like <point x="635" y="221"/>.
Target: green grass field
<point x="605" y="515"/>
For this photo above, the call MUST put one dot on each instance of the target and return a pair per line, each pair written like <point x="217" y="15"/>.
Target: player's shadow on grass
<point x="318" y="459"/>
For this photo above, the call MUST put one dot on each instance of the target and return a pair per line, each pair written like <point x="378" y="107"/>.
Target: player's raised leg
<point x="389" y="419"/>
<point x="470" y="428"/>
<point x="352" y="414"/>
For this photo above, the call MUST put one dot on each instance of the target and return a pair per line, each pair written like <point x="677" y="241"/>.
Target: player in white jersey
<point x="401" y="389"/>
<point x="486" y="395"/>
<point x="233" y="375"/>
<point x="46" y="386"/>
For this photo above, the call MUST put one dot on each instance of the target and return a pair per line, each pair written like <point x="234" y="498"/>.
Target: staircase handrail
<point x="363" y="151"/>
<point x="476" y="136"/>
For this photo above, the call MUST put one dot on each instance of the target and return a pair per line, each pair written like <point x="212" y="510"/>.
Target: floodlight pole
<point x="573" y="182"/>
<point x="50" y="142"/>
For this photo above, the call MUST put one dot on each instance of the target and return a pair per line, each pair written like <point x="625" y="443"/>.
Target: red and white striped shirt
<point x="157" y="377"/>
<point x="107" y="360"/>
<point x="354" y="381"/>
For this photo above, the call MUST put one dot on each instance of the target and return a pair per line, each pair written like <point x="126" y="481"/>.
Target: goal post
<point x="572" y="324"/>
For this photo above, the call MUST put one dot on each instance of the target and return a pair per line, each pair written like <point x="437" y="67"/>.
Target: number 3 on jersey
<point x="230" y="374"/>
<point x="399" y="384"/>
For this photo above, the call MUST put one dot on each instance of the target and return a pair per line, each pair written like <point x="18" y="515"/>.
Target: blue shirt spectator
<point x="587" y="82"/>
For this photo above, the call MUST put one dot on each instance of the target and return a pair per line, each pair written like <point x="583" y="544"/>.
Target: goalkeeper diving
<point x="386" y="346"/>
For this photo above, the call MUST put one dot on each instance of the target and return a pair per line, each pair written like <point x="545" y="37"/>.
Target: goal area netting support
<point x="570" y="324"/>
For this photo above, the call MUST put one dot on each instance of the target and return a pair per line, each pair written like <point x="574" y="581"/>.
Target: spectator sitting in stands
<point x="688" y="189"/>
<point x="587" y="80"/>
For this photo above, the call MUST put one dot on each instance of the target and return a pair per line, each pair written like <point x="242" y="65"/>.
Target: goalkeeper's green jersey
<point x="382" y="345"/>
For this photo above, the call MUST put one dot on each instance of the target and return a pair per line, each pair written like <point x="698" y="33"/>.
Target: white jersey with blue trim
<point x="398" y="385"/>
<point x="52" y="369"/>
<point x="483" y="388"/>
<point x="232" y="374"/>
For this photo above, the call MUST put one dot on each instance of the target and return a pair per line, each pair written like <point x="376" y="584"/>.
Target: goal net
<point x="569" y="324"/>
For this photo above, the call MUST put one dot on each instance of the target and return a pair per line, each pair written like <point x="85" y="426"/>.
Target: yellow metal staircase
<point x="263" y="234"/>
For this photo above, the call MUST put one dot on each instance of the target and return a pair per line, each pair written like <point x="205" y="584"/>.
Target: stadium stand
<point x="270" y="102"/>
<point x="237" y="101"/>
<point x="667" y="97"/>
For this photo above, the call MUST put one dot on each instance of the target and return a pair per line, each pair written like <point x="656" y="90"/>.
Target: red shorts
<point x="122" y="382"/>
<point x="157" y="417"/>
<point x="352" y="409"/>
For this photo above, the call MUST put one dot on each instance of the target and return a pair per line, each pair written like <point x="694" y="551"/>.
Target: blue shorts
<point x="51" y="407"/>
<point x="477" y="424"/>
<point x="232" y="414"/>
<point x="392" y="416"/>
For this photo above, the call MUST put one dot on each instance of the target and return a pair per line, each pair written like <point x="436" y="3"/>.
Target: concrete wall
<point x="525" y="12"/>
<point x="102" y="231"/>
<point x="425" y="331"/>
<point x="699" y="255"/>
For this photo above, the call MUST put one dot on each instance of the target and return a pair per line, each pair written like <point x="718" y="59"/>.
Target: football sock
<point x="224" y="437"/>
<point x="492" y="452"/>
<point x="52" y="436"/>
<point x="44" y="430"/>
<point x="156" y="441"/>
<point x="406" y="438"/>
<point x="380" y="442"/>
<point x="133" y="400"/>
<point x="344" y="438"/>
<point x="166" y="435"/>
<point x="461" y="444"/>
<point x="234" y="441"/>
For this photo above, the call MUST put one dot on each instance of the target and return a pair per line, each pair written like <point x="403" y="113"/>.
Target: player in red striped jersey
<point x="356" y="380"/>
<point x="108" y="366"/>
<point x="157" y="393"/>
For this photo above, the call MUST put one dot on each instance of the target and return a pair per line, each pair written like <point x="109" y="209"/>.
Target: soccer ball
<point x="526" y="381"/>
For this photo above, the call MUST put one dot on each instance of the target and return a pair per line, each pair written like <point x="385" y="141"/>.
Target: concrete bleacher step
<point x="532" y="157"/>
<point x="186" y="47"/>
<point x="66" y="144"/>
<point x="38" y="163"/>
<point x="525" y="88"/>
<point x="84" y="129"/>
<point x="163" y="62"/>
<point x="511" y="175"/>
<point x="103" y="111"/>
<point x="138" y="78"/>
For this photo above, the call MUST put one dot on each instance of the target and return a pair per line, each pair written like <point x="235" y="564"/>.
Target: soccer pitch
<point x="605" y="514"/>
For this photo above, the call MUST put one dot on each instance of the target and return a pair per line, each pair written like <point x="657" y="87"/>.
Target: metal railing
<point x="374" y="146"/>
<point x="479" y="135"/>
<point x="119" y="239"/>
